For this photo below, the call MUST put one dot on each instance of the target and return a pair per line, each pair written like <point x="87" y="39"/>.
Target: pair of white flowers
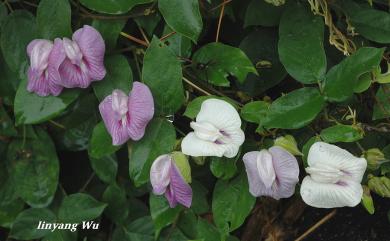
<point x="334" y="173"/>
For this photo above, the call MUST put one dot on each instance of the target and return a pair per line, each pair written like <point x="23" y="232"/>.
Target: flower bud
<point x="374" y="158"/>
<point x="379" y="185"/>
<point x="288" y="142"/>
<point x="367" y="201"/>
<point x="183" y="165"/>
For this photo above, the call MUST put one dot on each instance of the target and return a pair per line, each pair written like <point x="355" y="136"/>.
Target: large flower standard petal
<point x="217" y="131"/>
<point x="126" y="116"/>
<point x="334" y="177"/>
<point x="273" y="172"/>
<point x="168" y="178"/>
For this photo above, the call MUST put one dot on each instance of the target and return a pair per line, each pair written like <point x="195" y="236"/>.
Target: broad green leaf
<point x="232" y="203"/>
<point x="216" y="62"/>
<point x="18" y="30"/>
<point x="162" y="214"/>
<point x="9" y="212"/>
<point x="262" y="49"/>
<point x="141" y="229"/>
<point x="6" y="124"/>
<point x="207" y="231"/>
<point x="193" y="107"/>
<point x="370" y="23"/>
<point x="159" y="139"/>
<point x="3" y="14"/>
<point x="187" y="223"/>
<point x="119" y="76"/>
<point x="263" y="14"/>
<point x="61" y="235"/>
<point x="301" y="44"/>
<point x="295" y="109"/>
<point x="363" y="83"/>
<point x="80" y="207"/>
<point x="382" y="103"/>
<point x="114" y="6"/>
<point x="341" y="78"/>
<point x="53" y="19"/>
<point x="341" y="133"/>
<point x="255" y="111"/>
<point x="179" y="44"/>
<point x="149" y="22"/>
<point x="117" y="209"/>
<point x="34" y="168"/>
<point x="31" y="108"/>
<point x="9" y="81"/>
<point x="182" y="16"/>
<point x="101" y="142"/>
<point x="164" y="78"/>
<point x="25" y="225"/>
<point x="223" y="168"/>
<point x="199" y="204"/>
<point x="105" y="168"/>
<point x="110" y="30"/>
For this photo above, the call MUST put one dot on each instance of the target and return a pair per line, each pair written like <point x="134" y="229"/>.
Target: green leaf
<point x="232" y="203"/>
<point x="182" y="16"/>
<point x="301" y="47"/>
<point x="255" y="111"/>
<point x="162" y="214"/>
<point x="101" y="142"/>
<point x="382" y="105"/>
<point x="341" y="133"/>
<point x="53" y="19"/>
<point x="370" y="23"/>
<point x="140" y="229"/>
<point x="31" y="108"/>
<point x="119" y="76"/>
<point x="164" y="78"/>
<point x="223" y="168"/>
<point x="34" y="169"/>
<point x="3" y="14"/>
<point x="114" y="6"/>
<point x="6" y="124"/>
<point x="117" y="209"/>
<point x="193" y="107"/>
<point x="216" y="62"/>
<point x="199" y="204"/>
<point x="9" y="81"/>
<point x="179" y="44"/>
<point x="110" y="30"/>
<point x="61" y="235"/>
<point x="295" y="110"/>
<point x="9" y="212"/>
<point x="18" y="30"/>
<point x="159" y="139"/>
<point x="25" y="225"/>
<point x="262" y="49"/>
<point x="263" y="14"/>
<point x="80" y="207"/>
<point x="105" y="168"/>
<point x="341" y="78"/>
<point x="306" y="148"/>
<point x="207" y="231"/>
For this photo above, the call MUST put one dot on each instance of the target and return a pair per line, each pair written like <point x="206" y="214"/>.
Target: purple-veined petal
<point x="232" y="140"/>
<point x="193" y="146"/>
<point x="32" y="44"/>
<point x="180" y="191"/>
<point x="256" y="185"/>
<point x="92" y="46"/>
<point x="171" y="197"/>
<point x="160" y="174"/>
<point x="329" y="195"/>
<point x="322" y="153"/>
<point x="73" y="75"/>
<point x="286" y="169"/>
<point x="141" y="110"/>
<point x="116" y="128"/>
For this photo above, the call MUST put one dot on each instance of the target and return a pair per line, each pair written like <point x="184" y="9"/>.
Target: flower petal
<point x="235" y="139"/>
<point x="33" y="43"/>
<point x="141" y="110"/>
<point x="159" y="174"/>
<point x="322" y="153"/>
<point x="286" y="169"/>
<point x="73" y="76"/>
<point x="171" y="197"/>
<point x="256" y="185"/>
<point x="117" y="131"/>
<point x="193" y="146"/>
<point x="326" y="195"/>
<point x="92" y="46"/>
<point x="219" y="113"/>
<point x="265" y="168"/>
<point x="180" y="190"/>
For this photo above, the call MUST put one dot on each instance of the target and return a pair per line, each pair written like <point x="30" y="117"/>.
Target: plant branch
<point x="317" y="225"/>
<point x="134" y="39"/>
<point x="220" y="20"/>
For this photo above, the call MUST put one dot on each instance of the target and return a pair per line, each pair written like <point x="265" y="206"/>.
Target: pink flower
<point x="45" y="59"/>
<point x="125" y="116"/>
<point x="83" y="59"/>
<point x="166" y="178"/>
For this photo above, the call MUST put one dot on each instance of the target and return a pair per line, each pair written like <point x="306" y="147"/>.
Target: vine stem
<point x="195" y="86"/>
<point x="167" y="36"/>
<point x="134" y="39"/>
<point x="82" y="189"/>
<point x="220" y="20"/>
<point x="315" y="226"/>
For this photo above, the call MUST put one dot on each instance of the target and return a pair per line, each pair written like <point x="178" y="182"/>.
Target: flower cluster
<point x="66" y="63"/>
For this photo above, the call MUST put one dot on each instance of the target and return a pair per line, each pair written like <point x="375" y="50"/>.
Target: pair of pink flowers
<point x="66" y="63"/>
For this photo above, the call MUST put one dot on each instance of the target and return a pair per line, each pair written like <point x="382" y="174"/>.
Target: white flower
<point x="335" y="176"/>
<point x="216" y="132"/>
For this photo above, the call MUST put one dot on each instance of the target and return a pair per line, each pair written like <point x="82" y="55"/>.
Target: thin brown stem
<point x="317" y="225"/>
<point x="144" y="35"/>
<point x="167" y="36"/>
<point x="134" y="39"/>
<point x="195" y="86"/>
<point x="220" y="20"/>
<point x="220" y="5"/>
